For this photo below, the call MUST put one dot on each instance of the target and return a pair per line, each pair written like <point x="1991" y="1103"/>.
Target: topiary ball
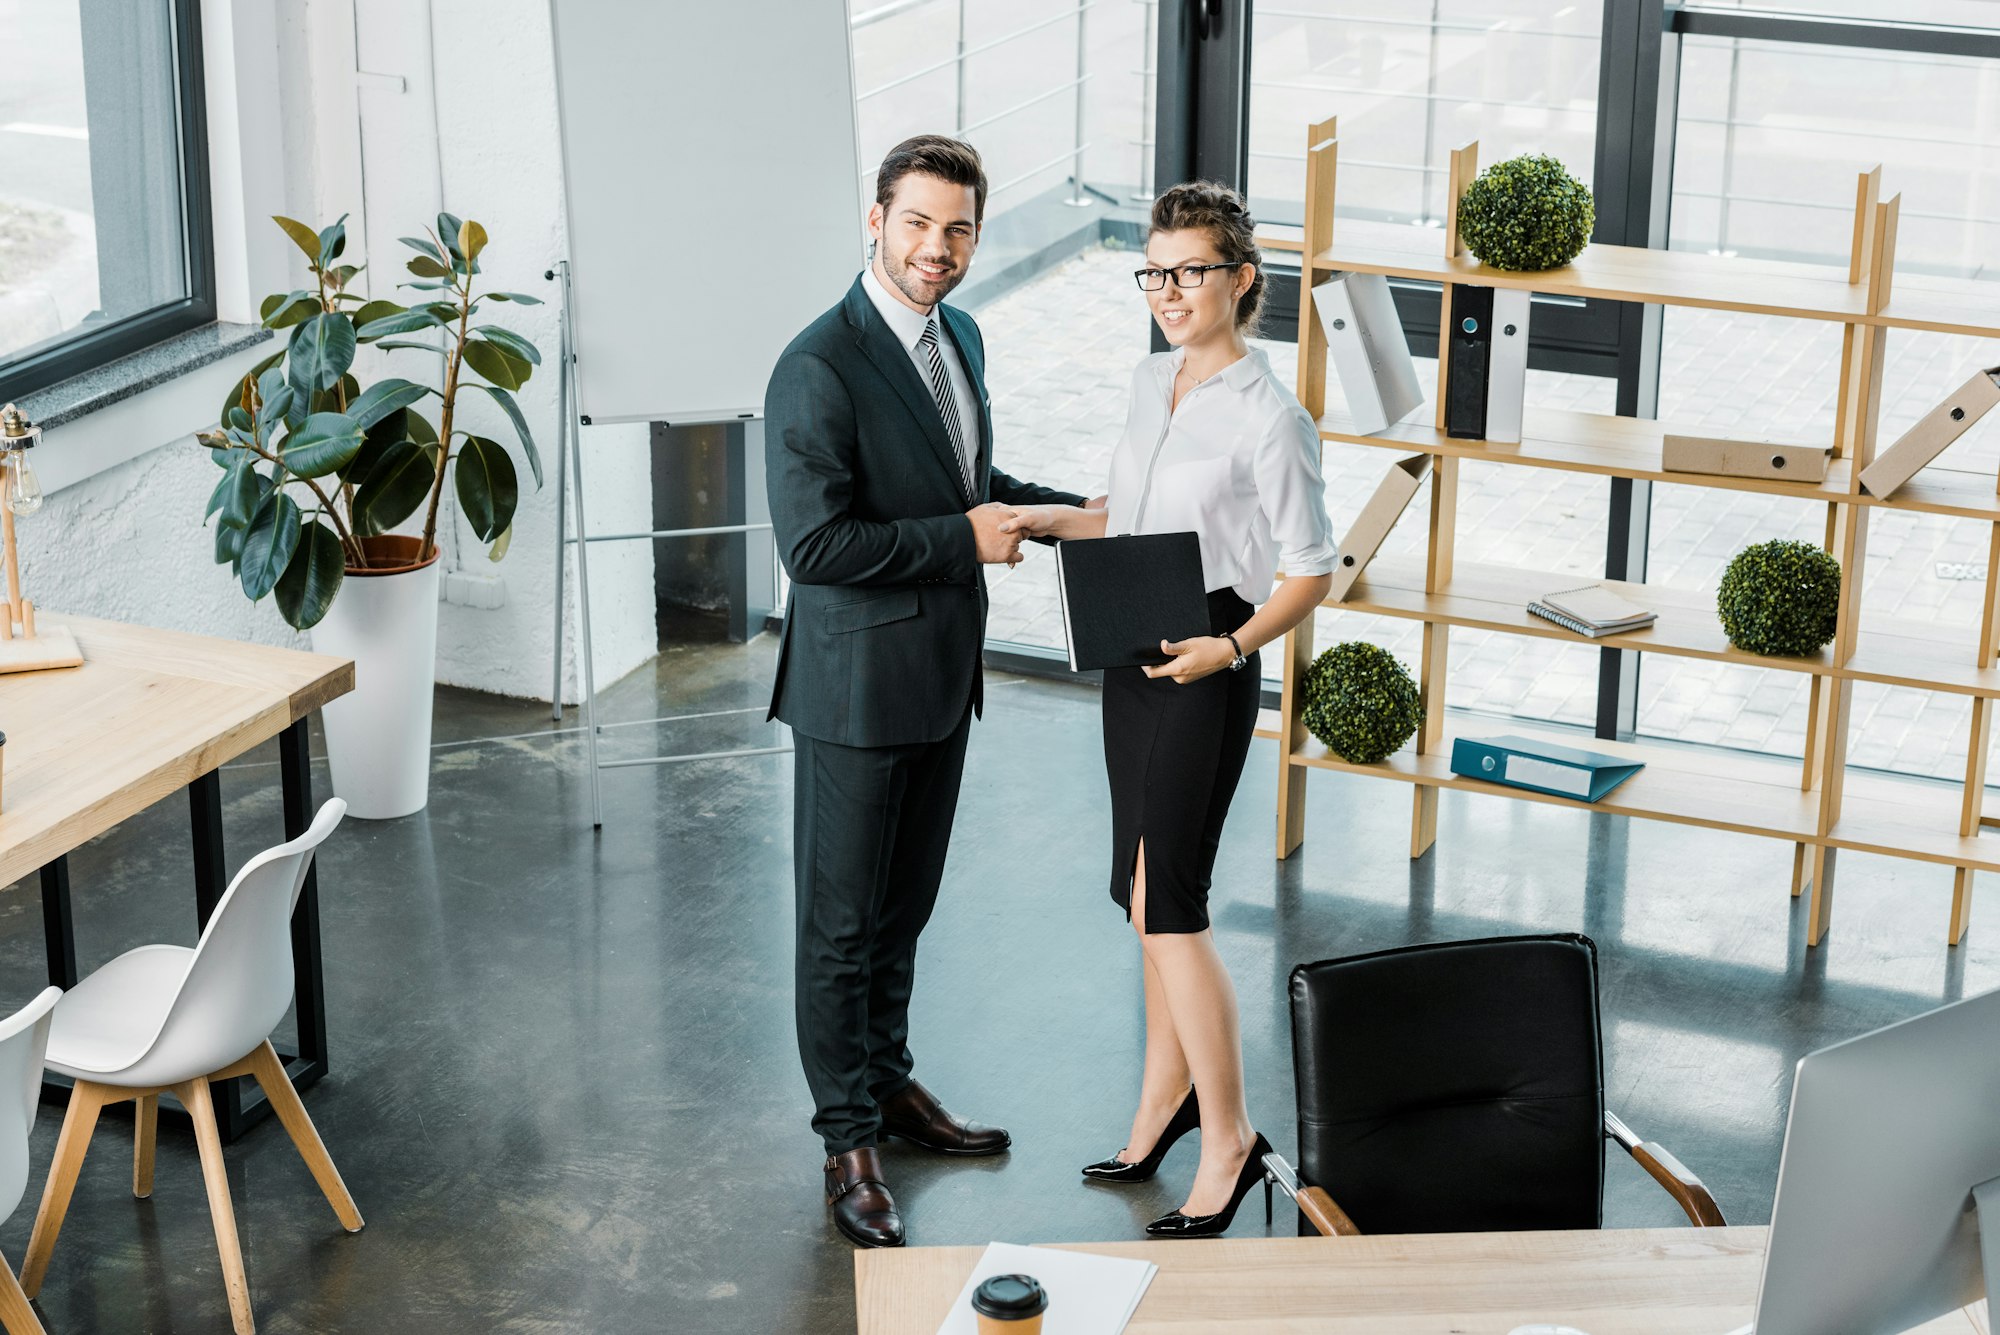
<point x="1780" y="597"/>
<point x="1526" y="214"/>
<point x="1361" y="702"/>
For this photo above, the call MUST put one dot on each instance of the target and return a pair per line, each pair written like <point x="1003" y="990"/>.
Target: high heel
<point x="1177" y="1225"/>
<point x="1185" y="1119"/>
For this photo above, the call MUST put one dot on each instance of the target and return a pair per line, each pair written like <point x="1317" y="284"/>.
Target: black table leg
<point x="58" y="924"/>
<point x="211" y="875"/>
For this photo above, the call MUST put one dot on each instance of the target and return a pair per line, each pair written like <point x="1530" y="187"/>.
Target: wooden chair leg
<point x="15" y="1315"/>
<point x="145" y="1133"/>
<point x="215" y="1175"/>
<point x="85" y="1102"/>
<point x="277" y="1086"/>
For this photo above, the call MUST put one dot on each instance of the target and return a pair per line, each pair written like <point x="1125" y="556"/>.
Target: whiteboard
<point x="713" y="186"/>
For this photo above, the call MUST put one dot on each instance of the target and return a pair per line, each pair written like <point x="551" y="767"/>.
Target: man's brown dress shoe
<point x="914" y="1113"/>
<point x="863" y="1209"/>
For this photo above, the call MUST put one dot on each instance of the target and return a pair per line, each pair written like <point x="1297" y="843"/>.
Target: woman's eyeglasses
<point x="1187" y="275"/>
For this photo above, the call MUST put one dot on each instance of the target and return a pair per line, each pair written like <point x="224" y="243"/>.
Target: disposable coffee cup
<point x="1010" y="1305"/>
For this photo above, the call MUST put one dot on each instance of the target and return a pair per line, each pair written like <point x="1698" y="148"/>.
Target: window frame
<point x="87" y="350"/>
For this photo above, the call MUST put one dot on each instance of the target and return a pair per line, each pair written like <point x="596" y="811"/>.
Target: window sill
<point x="154" y="397"/>
<point x="169" y="359"/>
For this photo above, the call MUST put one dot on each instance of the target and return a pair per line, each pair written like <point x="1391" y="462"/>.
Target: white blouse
<point x="1238" y="464"/>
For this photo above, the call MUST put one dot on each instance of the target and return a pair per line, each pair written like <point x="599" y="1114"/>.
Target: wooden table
<point x="148" y="713"/>
<point x="1660" y="1281"/>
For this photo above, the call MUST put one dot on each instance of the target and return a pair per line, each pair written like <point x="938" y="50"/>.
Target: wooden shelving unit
<point x="1819" y="804"/>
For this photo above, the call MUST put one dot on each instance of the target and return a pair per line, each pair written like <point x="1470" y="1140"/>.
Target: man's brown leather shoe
<point x="863" y="1209"/>
<point x="914" y="1113"/>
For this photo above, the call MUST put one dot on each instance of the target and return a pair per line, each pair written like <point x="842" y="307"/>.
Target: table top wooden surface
<point x="1663" y="1281"/>
<point x="147" y="713"/>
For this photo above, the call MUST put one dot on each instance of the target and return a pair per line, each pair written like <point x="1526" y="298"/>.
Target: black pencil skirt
<point x="1174" y="754"/>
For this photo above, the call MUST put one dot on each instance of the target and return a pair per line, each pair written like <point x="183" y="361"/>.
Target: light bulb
<point x="24" y="489"/>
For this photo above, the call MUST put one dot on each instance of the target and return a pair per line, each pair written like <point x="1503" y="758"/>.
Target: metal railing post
<point x="958" y="113"/>
<point x="1078" y="197"/>
<point x="1146" y="96"/>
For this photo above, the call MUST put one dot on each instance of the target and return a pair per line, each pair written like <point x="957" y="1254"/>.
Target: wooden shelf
<point x="1713" y="789"/>
<point x="1496" y="598"/>
<point x="1719" y="790"/>
<point x="1612" y="446"/>
<point x="1613" y="273"/>
<point x="1942" y="305"/>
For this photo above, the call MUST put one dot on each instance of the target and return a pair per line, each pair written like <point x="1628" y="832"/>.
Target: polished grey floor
<point x="564" y="1087"/>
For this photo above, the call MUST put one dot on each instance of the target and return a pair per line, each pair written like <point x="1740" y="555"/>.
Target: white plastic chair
<point x="24" y="1039"/>
<point x="166" y="1019"/>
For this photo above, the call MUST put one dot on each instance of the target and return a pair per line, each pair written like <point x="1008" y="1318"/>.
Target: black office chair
<point x="1458" y="1088"/>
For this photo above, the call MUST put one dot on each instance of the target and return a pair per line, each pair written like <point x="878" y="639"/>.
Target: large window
<point x="104" y="236"/>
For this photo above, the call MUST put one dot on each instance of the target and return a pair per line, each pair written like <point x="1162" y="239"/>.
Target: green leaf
<point x="325" y="444"/>
<point x="240" y="419"/>
<point x="303" y="236"/>
<point x="404" y="322"/>
<point x="496" y="364"/>
<point x="268" y="544"/>
<point x="487" y="488"/>
<point x="448" y="227"/>
<point x="332" y="241"/>
<point x="321" y="351"/>
<point x="277" y="402"/>
<point x="374" y="310"/>
<point x="382" y="398"/>
<point x="501" y="544"/>
<point x="414" y="347"/>
<point x="331" y="400"/>
<point x="423" y="246"/>
<point x="471" y="239"/>
<point x="516" y="346"/>
<point x="420" y="429"/>
<point x="423" y="266"/>
<point x="286" y="308"/>
<point x="344" y="274"/>
<point x="521" y="297"/>
<point x="229" y="484"/>
<point x="307" y="587"/>
<point x="395" y="487"/>
<point x="513" y="411"/>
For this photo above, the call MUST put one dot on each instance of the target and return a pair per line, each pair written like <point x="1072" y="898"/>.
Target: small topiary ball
<point x="1361" y="702"/>
<point x="1526" y="214"/>
<point x="1780" y="597"/>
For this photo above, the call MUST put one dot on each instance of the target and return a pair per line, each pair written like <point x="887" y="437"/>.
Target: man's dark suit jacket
<point x="887" y="612"/>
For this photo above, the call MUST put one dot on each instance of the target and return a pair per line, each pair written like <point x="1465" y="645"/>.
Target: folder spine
<point x="1364" y="339"/>
<point x="1469" y="353"/>
<point x="1507" y="380"/>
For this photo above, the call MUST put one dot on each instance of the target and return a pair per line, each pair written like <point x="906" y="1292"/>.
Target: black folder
<point x="1122" y="596"/>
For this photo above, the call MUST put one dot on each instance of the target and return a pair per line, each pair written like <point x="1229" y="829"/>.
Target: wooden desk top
<point x="147" y="713"/>
<point x="1663" y="1281"/>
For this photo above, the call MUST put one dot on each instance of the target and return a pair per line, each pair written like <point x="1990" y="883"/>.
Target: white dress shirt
<point x="1237" y="463"/>
<point x="908" y="327"/>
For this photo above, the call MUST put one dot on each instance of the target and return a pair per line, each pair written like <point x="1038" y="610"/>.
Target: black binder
<point x="1469" y="362"/>
<point x="1122" y="596"/>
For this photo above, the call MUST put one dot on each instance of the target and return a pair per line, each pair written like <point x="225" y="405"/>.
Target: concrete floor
<point x="564" y="1085"/>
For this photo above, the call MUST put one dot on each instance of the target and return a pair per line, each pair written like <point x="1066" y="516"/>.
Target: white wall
<point x="389" y="110"/>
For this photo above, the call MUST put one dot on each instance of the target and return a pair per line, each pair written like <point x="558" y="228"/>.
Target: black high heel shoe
<point x="1178" y="1225"/>
<point x="1185" y="1119"/>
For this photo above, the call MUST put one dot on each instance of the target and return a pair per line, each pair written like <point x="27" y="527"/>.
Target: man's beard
<point x="917" y="288"/>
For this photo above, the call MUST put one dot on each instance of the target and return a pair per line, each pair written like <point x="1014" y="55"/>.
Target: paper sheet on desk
<point x="1088" y="1295"/>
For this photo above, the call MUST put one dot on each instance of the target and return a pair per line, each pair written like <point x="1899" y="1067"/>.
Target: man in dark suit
<point x="886" y="506"/>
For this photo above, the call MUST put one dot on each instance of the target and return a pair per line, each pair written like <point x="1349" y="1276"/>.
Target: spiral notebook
<point x="1592" y="610"/>
<point x="1122" y="596"/>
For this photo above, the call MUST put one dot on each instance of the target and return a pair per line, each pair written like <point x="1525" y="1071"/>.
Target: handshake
<point x="998" y="529"/>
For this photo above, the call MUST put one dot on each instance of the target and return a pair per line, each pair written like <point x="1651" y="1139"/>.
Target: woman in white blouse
<point x="1215" y="444"/>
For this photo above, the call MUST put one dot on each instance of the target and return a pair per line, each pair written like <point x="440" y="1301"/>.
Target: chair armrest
<point x="1313" y="1202"/>
<point x="1686" y="1189"/>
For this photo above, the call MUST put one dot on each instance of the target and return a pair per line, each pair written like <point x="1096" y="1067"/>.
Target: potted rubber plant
<point x="317" y="471"/>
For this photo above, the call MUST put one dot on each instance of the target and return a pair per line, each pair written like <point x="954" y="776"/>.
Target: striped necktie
<point x="947" y="403"/>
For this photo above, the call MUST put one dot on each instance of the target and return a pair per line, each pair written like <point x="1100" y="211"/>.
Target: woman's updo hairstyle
<point x="1216" y="209"/>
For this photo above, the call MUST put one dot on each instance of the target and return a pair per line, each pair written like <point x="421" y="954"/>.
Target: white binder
<point x="1368" y="351"/>
<point x="1507" y="372"/>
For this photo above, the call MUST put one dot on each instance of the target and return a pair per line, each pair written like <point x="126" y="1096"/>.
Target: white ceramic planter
<point x="378" y="736"/>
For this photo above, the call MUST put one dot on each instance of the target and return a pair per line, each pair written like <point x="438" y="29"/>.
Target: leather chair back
<point x="1456" y="1087"/>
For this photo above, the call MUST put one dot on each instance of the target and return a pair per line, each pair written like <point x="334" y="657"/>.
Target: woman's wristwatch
<point x="1236" y="666"/>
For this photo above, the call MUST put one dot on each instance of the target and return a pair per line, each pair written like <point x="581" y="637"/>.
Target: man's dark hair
<point x="937" y="155"/>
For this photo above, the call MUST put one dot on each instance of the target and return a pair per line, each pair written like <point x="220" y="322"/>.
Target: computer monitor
<point x="1875" y="1228"/>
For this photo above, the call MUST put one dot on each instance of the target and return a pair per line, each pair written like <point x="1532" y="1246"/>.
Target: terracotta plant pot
<point x="378" y="736"/>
